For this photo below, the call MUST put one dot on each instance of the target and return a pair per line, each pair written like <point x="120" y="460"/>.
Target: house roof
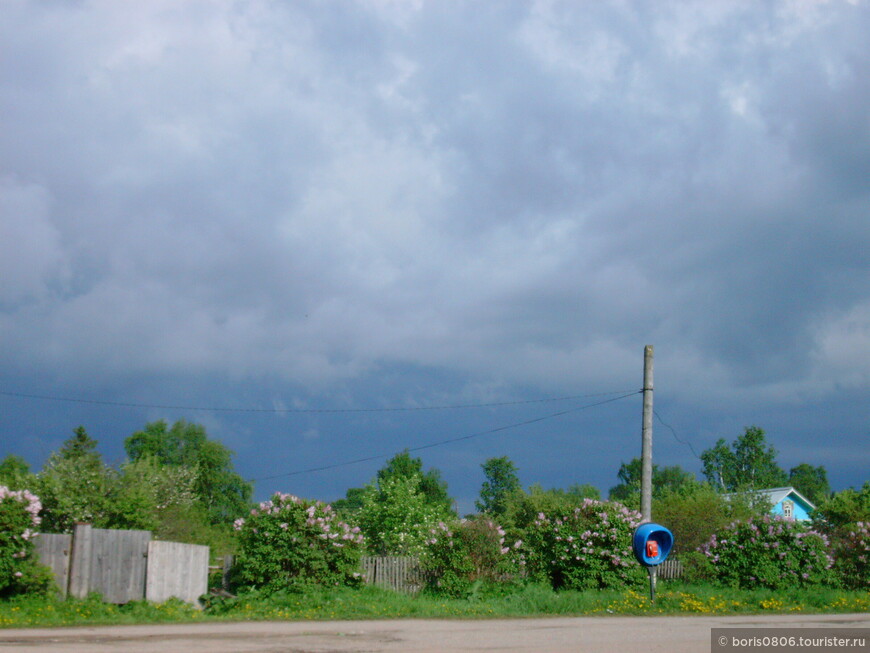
<point x="777" y="494"/>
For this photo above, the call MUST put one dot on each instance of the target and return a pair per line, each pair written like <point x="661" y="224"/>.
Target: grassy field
<point x="372" y="603"/>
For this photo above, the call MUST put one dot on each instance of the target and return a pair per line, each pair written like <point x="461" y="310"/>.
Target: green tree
<point x="810" y="481"/>
<point x="664" y="479"/>
<point x="397" y="518"/>
<point x="749" y="464"/>
<point x="501" y="481"/>
<point x="843" y="510"/>
<point x="222" y="493"/>
<point x="845" y="518"/>
<point x="522" y="508"/>
<point x="15" y="473"/>
<point x="694" y="512"/>
<point x="79" y="446"/>
<point x="583" y="491"/>
<point x="75" y="485"/>
<point x="351" y="504"/>
<point x="430" y="483"/>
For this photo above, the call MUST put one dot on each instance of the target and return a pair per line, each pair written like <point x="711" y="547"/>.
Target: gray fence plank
<point x="118" y="564"/>
<point x="670" y="569"/>
<point x="176" y="570"/>
<point x="54" y="551"/>
<point x="80" y="561"/>
<point x="398" y="573"/>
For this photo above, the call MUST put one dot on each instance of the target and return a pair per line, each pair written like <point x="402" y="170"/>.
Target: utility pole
<point x="646" y="435"/>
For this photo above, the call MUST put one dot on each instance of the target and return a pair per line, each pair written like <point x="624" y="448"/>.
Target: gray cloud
<point x="521" y="194"/>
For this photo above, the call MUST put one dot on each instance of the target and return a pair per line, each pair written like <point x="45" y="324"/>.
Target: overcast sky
<point x="387" y="204"/>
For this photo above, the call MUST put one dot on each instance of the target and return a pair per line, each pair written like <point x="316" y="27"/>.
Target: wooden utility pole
<point x="646" y="435"/>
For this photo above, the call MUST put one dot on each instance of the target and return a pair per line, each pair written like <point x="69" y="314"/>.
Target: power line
<point x="676" y="437"/>
<point x="450" y="440"/>
<point x="224" y="409"/>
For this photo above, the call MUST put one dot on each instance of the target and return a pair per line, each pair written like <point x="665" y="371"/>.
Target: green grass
<point x="373" y="603"/>
<point x="34" y="611"/>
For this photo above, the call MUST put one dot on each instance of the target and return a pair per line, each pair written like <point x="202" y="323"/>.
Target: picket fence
<point x="670" y="569"/>
<point x="397" y="573"/>
<point x="403" y="573"/>
<point x="124" y="565"/>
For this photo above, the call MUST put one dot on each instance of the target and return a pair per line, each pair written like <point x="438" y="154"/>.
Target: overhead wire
<point x="230" y="409"/>
<point x="620" y="394"/>
<point x="449" y="440"/>
<point x="676" y="437"/>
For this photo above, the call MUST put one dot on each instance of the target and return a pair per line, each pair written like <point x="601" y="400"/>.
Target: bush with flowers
<point x="396" y="516"/>
<point x="19" y="517"/>
<point x="770" y="552"/>
<point x="469" y="554"/>
<point x="587" y="547"/>
<point x="288" y="543"/>
<point x="852" y="556"/>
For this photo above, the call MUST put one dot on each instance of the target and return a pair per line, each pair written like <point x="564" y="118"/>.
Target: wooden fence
<point x="176" y="570"/>
<point x="398" y="573"/>
<point x="403" y="573"/>
<point x="670" y="569"/>
<point x="124" y="565"/>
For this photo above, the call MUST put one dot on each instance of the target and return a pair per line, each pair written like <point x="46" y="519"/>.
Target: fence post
<point x="80" y="561"/>
<point x="225" y="578"/>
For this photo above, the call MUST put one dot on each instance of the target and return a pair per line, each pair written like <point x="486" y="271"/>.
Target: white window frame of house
<point x="788" y="509"/>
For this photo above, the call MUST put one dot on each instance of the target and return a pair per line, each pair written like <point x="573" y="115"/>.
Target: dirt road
<point x="598" y="634"/>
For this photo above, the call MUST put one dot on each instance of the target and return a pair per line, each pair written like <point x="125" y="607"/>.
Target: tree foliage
<point x="15" y="472"/>
<point x="696" y="511"/>
<point x="810" y="481"/>
<point x="220" y="491"/>
<point x="501" y="481"/>
<point x="842" y="510"/>
<point x="396" y="516"/>
<point x="664" y="479"/>
<point x="75" y="485"/>
<point x="522" y="508"/>
<point x="748" y="464"/>
<point x="399" y="506"/>
<point x="430" y="483"/>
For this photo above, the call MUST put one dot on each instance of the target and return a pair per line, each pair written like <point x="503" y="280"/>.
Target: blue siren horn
<point x="651" y="544"/>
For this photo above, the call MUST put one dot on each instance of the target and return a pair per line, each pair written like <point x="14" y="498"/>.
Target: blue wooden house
<point x="789" y="503"/>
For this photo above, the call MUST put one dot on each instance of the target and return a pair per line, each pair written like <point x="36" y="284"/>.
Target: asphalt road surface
<point x="550" y="635"/>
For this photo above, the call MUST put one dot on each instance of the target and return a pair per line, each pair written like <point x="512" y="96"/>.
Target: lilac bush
<point x="852" y="557"/>
<point x="288" y="543"/>
<point x="770" y="552"/>
<point x="19" y="517"/>
<point x="467" y="554"/>
<point x="588" y="547"/>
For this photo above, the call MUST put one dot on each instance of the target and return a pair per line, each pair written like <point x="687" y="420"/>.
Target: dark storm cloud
<point x="515" y="194"/>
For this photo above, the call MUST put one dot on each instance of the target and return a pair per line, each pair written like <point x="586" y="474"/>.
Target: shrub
<point x="288" y="543"/>
<point x="769" y="552"/>
<point x="838" y="515"/>
<point x="467" y="555"/>
<point x="396" y="516"/>
<point x="696" y="511"/>
<point x="852" y="557"/>
<point x="697" y="568"/>
<point x="588" y="547"/>
<point x="19" y="572"/>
